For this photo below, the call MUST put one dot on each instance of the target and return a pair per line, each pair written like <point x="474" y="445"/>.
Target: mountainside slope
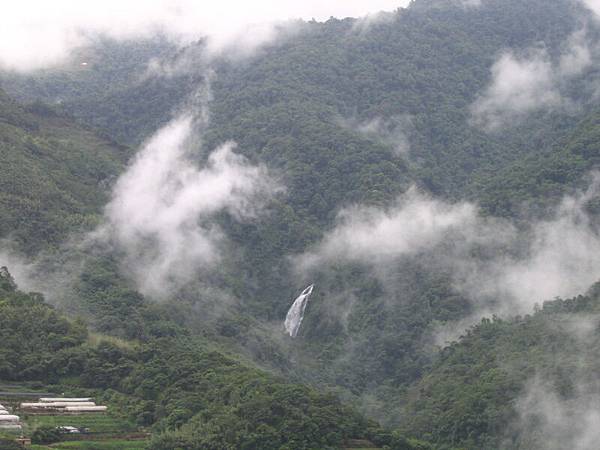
<point x="347" y="115"/>
<point x="97" y="83"/>
<point x="55" y="175"/>
<point x="522" y="383"/>
<point x="191" y="395"/>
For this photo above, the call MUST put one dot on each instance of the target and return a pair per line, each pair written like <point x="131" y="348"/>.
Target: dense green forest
<point x="343" y="114"/>
<point x="192" y="395"/>
<point x="55" y="175"/>
<point x="468" y="398"/>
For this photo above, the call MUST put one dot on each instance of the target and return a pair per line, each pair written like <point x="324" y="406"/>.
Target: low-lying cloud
<point x="470" y="3"/>
<point x="525" y="83"/>
<point x="548" y="421"/>
<point x="416" y="223"/>
<point x="577" y="56"/>
<point x="592" y="5"/>
<point x="37" y="34"/>
<point x="393" y="131"/>
<point x="499" y="267"/>
<point x="562" y="260"/>
<point x="20" y="270"/>
<point x="163" y="208"/>
<point x="50" y="273"/>
<point x="518" y="87"/>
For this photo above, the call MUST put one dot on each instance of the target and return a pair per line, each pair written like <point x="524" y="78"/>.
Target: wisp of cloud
<point x="417" y="222"/>
<point x="529" y="82"/>
<point x="38" y="34"/>
<point x="393" y="131"/>
<point x="558" y="256"/>
<point x="162" y="211"/>
<point x="547" y="421"/>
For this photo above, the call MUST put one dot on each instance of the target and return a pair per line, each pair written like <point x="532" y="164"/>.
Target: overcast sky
<point x="38" y="33"/>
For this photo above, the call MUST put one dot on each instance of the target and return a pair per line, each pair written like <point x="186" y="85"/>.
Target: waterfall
<point x="296" y="313"/>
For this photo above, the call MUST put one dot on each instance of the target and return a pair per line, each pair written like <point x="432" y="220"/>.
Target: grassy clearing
<point x="12" y="389"/>
<point x="18" y="387"/>
<point x="94" y="339"/>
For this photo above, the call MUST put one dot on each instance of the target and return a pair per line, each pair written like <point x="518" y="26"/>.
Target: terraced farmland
<point x="105" y="431"/>
<point x="96" y="423"/>
<point x="93" y="445"/>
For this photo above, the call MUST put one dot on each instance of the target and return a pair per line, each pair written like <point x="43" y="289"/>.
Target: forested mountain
<point x="423" y="168"/>
<point x="548" y="358"/>
<point x="98" y="83"/>
<point x="55" y="175"/>
<point x="172" y="382"/>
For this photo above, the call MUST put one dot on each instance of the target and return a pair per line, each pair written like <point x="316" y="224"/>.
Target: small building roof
<point x="85" y="408"/>
<point x="9" y="418"/>
<point x="55" y="404"/>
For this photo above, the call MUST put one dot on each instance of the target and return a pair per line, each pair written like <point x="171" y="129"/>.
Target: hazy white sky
<point x="37" y="33"/>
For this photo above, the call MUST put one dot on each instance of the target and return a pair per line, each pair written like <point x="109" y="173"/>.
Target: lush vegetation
<point x="54" y="175"/>
<point x="100" y="92"/>
<point x="297" y="106"/>
<point x="192" y="396"/>
<point x="95" y="423"/>
<point x="469" y="397"/>
<point x="93" y="445"/>
<point x="541" y="178"/>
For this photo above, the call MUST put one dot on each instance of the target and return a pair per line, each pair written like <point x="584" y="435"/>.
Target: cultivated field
<point x="92" y="445"/>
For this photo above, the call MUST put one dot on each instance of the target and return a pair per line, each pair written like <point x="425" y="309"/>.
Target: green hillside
<point x="345" y="115"/>
<point x="55" y="176"/>
<point x="190" y="395"/>
<point x="470" y="397"/>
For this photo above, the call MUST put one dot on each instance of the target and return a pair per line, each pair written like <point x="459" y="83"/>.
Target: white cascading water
<point x="296" y="313"/>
